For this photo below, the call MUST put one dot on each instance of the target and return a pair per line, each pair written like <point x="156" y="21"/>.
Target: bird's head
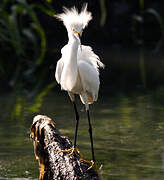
<point x="74" y="21"/>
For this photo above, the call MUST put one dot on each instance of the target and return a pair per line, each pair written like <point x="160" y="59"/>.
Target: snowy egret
<point x="78" y="69"/>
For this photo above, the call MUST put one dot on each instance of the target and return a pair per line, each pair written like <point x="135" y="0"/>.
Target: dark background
<point x="129" y="43"/>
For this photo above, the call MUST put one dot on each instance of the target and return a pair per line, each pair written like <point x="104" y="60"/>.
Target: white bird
<point x="78" y="69"/>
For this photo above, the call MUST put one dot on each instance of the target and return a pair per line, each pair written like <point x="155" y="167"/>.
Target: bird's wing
<point x="64" y="50"/>
<point x="59" y="68"/>
<point x="86" y="53"/>
<point x="60" y="64"/>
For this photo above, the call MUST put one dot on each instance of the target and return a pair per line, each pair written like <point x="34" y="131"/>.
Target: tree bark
<point x="54" y="165"/>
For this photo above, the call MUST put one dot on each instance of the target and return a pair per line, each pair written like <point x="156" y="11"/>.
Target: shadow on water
<point x="128" y="133"/>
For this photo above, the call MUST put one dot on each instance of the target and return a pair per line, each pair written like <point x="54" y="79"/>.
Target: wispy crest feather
<point x="71" y="17"/>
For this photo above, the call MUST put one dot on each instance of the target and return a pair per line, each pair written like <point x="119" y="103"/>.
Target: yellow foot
<point x="71" y="151"/>
<point x="91" y="163"/>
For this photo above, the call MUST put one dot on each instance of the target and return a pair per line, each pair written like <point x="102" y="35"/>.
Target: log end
<point x="47" y="143"/>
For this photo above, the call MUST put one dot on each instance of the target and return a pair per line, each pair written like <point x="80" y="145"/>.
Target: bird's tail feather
<point x="91" y="99"/>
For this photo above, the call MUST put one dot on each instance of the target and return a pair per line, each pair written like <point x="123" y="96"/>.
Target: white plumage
<point x="78" y="69"/>
<point x="71" y="18"/>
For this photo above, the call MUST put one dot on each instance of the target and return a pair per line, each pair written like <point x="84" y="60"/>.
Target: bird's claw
<point x="71" y="151"/>
<point x="91" y="163"/>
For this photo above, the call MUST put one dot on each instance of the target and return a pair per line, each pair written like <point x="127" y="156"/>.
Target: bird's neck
<point x="73" y="49"/>
<point x="72" y="40"/>
<point x="70" y="67"/>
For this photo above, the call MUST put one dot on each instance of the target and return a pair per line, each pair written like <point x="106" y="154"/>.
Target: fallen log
<point x="54" y="165"/>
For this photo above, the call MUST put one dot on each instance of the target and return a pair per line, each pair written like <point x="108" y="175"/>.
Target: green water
<point x="128" y="133"/>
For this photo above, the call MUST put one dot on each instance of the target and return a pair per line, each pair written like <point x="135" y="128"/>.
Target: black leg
<point x="91" y="137"/>
<point x="77" y="122"/>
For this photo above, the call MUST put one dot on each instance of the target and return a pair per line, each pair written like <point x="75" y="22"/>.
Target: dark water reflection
<point x="128" y="133"/>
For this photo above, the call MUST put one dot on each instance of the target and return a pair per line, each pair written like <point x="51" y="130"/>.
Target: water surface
<point x="128" y="133"/>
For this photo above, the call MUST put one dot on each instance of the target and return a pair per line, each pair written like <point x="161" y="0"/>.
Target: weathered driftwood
<point x="55" y="165"/>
